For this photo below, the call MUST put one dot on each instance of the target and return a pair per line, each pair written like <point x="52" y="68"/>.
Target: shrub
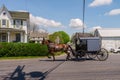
<point x="22" y="49"/>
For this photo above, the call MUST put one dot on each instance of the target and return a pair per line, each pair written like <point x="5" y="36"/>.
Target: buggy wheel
<point x="92" y="55"/>
<point x="82" y="54"/>
<point x="102" y="54"/>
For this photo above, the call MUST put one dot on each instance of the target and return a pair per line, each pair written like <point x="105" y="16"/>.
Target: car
<point x="116" y="50"/>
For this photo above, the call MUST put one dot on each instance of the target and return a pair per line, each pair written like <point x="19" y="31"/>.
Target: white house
<point x="13" y="25"/>
<point x="37" y="37"/>
<point x="110" y="37"/>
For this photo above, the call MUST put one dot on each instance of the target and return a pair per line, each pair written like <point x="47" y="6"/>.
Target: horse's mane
<point x="49" y="41"/>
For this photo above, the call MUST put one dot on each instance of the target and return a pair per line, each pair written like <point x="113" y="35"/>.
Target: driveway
<point x="45" y="69"/>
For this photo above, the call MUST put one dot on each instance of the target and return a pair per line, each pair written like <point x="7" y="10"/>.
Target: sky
<point x="67" y="15"/>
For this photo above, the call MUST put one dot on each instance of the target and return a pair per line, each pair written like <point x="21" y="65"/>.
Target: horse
<point x="53" y="47"/>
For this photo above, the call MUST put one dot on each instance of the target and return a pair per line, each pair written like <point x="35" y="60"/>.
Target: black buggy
<point x="88" y="47"/>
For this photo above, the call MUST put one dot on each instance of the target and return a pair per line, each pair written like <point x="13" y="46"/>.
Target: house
<point x="37" y="37"/>
<point x="110" y="37"/>
<point x="13" y="25"/>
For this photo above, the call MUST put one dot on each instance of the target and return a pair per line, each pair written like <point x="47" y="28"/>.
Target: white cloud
<point x="100" y="3"/>
<point x="76" y="23"/>
<point x="44" y="22"/>
<point x="42" y="30"/>
<point x="113" y="12"/>
<point x="21" y="10"/>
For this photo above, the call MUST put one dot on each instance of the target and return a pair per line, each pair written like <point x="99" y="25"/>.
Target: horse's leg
<point x="68" y="56"/>
<point x="48" y="54"/>
<point x="52" y="53"/>
<point x="53" y="56"/>
<point x="68" y="52"/>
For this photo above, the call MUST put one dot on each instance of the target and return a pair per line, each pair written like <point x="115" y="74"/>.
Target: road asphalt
<point x="46" y="69"/>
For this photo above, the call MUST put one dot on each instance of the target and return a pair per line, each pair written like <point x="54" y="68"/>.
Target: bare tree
<point x="33" y="27"/>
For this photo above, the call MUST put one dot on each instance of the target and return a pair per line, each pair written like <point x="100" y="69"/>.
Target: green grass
<point x="59" y="53"/>
<point x="22" y="57"/>
<point x="29" y="57"/>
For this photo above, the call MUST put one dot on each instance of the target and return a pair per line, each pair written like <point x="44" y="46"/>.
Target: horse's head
<point x="46" y="42"/>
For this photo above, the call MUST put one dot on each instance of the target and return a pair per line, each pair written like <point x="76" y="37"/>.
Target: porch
<point x="12" y="35"/>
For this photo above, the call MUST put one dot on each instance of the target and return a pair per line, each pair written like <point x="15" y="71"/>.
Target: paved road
<point x="45" y="69"/>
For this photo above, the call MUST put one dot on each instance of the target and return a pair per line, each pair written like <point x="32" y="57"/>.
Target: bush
<point x="22" y="49"/>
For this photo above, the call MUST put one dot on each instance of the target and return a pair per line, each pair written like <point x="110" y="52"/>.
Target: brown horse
<point x="52" y="48"/>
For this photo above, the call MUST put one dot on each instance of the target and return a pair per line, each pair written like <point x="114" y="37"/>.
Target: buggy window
<point x="83" y="44"/>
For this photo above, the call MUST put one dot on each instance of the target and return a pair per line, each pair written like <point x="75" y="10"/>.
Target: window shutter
<point x="14" y="23"/>
<point x="0" y="23"/>
<point x="7" y="24"/>
<point x="21" y="22"/>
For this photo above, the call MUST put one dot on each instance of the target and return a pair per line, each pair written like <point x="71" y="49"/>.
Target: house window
<point x="4" y="37"/>
<point x="3" y="22"/>
<point x="4" y="13"/>
<point x="18" y="23"/>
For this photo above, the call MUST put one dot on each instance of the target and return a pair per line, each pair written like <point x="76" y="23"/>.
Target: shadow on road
<point x="52" y="60"/>
<point x="73" y="59"/>
<point x="19" y="74"/>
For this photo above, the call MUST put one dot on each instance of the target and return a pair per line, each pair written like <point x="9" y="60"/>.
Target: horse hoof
<point x="67" y="59"/>
<point x="53" y="60"/>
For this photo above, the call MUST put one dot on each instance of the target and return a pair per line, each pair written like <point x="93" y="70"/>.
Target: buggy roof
<point x="89" y="38"/>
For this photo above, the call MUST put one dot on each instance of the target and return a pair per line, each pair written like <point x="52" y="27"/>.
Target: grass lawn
<point x="21" y="57"/>
<point x="29" y="57"/>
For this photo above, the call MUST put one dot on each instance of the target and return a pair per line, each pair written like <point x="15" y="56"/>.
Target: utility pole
<point x="83" y="15"/>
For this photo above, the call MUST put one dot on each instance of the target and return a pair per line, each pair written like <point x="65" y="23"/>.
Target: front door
<point x="18" y="37"/>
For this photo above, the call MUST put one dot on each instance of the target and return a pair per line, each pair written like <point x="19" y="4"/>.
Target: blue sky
<point x="66" y="15"/>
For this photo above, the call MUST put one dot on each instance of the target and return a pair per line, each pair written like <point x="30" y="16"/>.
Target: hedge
<point x="22" y="49"/>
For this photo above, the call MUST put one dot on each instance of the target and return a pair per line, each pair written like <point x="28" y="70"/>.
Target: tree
<point x="63" y="37"/>
<point x="33" y="27"/>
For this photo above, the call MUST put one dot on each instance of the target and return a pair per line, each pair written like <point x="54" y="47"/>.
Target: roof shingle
<point x="19" y="15"/>
<point x="109" y="32"/>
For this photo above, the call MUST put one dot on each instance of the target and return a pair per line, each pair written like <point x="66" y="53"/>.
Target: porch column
<point x="25" y="38"/>
<point x="8" y="33"/>
<point x="21" y="36"/>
